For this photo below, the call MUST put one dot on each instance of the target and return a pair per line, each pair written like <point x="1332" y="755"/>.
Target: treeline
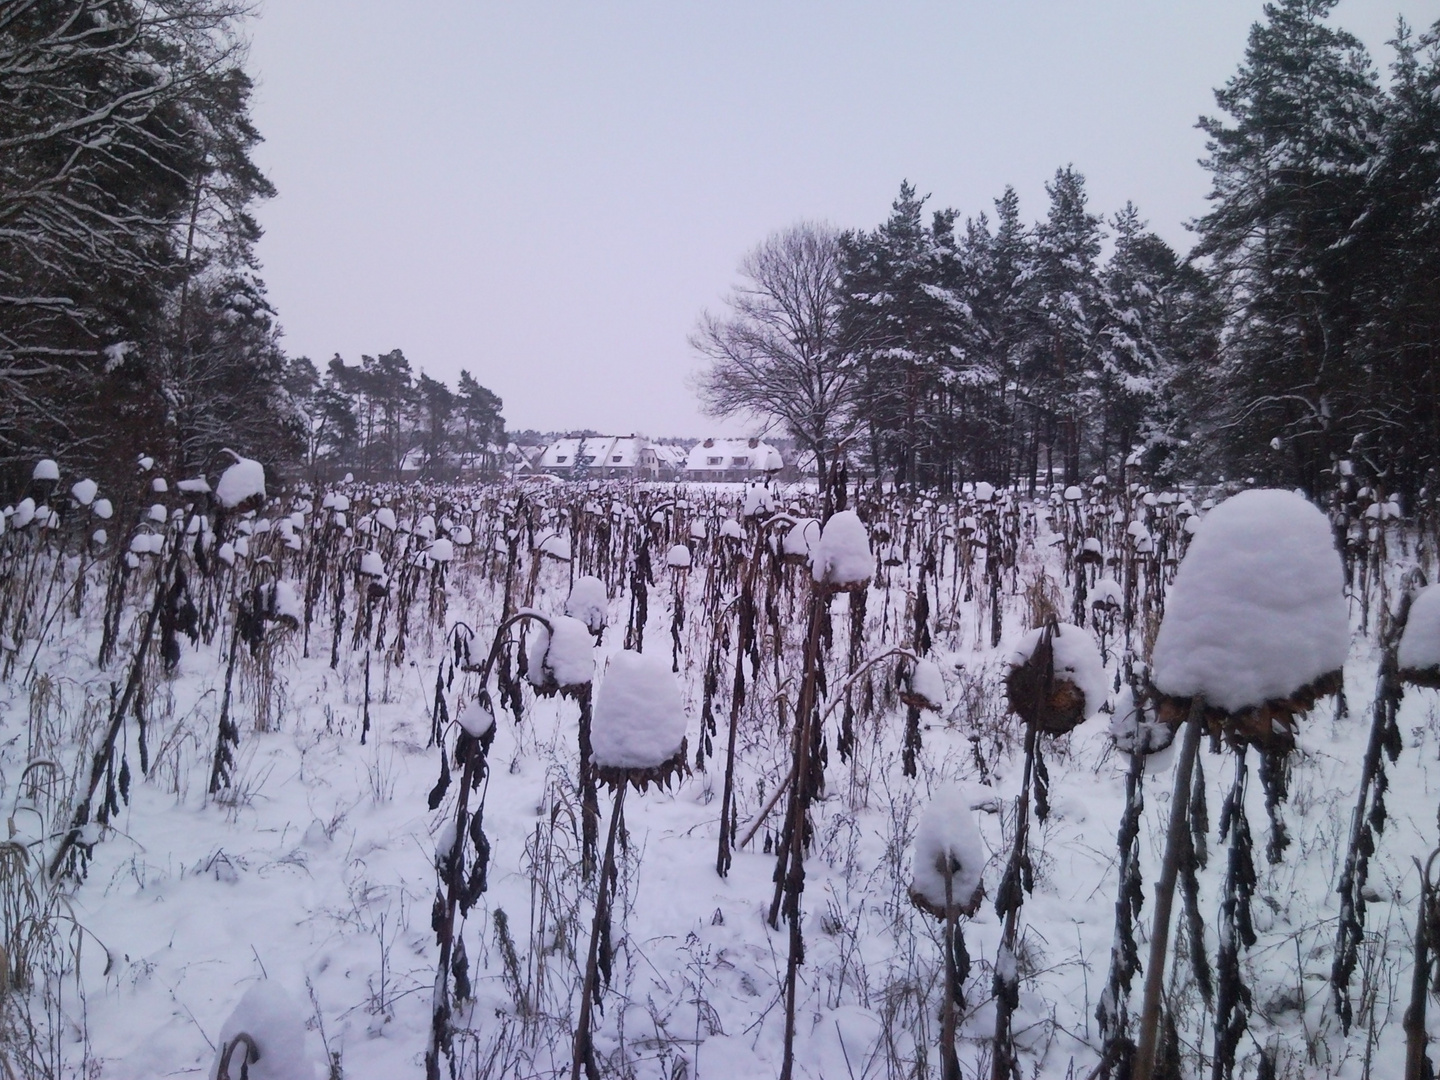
<point x="1003" y="351"/>
<point x="132" y="314"/>
<point x="379" y="420"/>
<point x="1301" y="330"/>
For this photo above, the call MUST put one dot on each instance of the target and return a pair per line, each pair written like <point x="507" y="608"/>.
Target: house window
<point x="740" y="462"/>
<point x="714" y="461"/>
<point x="587" y="459"/>
<point x="560" y="459"/>
<point x="616" y="458"/>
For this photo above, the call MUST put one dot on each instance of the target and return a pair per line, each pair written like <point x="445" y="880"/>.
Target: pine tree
<point x="390" y="391"/>
<point x="1004" y="270"/>
<point x="1158" y="342"/>
<point x="1063" y="363"/>
<point x="905" y="284"/>
<point x="484" y="426"/>
<point x="1399" y="290"/>
<point x="120" y="124"/>
<point x="435" y="404"/>
<point x="218" y="361"/>
<point x="1288" y="187"/>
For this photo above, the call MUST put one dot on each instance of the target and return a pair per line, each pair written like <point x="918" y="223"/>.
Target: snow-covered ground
<point x="314" y="873"/>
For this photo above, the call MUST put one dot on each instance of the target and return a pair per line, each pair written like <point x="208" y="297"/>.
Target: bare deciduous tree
<point x="781" y="353"/>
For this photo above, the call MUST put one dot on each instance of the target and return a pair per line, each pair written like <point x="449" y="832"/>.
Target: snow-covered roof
<point x="567" y="453"/>
<point x="726" y="455"/>
<point x="527" y="454"/>
<point x="598" y="452"/>
<point x="624" y="453"/>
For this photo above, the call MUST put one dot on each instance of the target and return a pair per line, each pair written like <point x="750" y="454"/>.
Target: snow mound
<point x="1420" y="644"/>
<point x="1257" y="610"/>
<point x="441" y="550"/>
<point x="1107" y="593"/>
<point x="475" y="718"/>
<point x="678" y="557"/>
<point x="565" y="655"/>
<point x="588" y="602"/>
<point x="284" y="603"/>
<point x="269" y="1016"/>
<point x="758" y="502"/>
<point x="46" y="470"/>
<point x="195" y="486"/>
<point x="243" y="480"/>
<point x="554" y="545"/>
<point x="842" y="558"/>
<point x="372" y="565"/>
<point x="1133" y="730"/>
<point x="927" y="685"/>
<point x="801" y="539"/>
<point x="1077" y="659"/>
<point x="639" y="718"/>
<point x="84" y="492"/>
<point x="947" y="834"/>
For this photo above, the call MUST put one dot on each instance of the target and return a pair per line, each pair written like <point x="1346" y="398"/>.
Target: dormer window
<point x="740" y="462"/>
<point x="714" y="461"/>
<point x="616" y="458"/>
<point x="560" y="459"/>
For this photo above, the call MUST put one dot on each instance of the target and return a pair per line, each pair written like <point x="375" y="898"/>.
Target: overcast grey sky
<point x="547" y="194"/>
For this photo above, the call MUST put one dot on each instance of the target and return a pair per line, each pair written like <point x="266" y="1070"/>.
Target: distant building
<point x="607" y="457"/>
<point x="484" y="462"/>
<point x="732" y="460"/>
<point x="670" y="460"/>
<point x="521" y="459"/>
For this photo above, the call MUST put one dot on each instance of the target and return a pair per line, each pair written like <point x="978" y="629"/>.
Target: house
<point x="482" y="462"/>
<point x="519" y="459"/>
<point x="732" y="460"/>
<point x="670" y="460"/>
<point x="605" y="457"/>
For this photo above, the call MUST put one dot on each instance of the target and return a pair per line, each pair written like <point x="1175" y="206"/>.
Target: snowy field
<point x="218" y="727"/>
